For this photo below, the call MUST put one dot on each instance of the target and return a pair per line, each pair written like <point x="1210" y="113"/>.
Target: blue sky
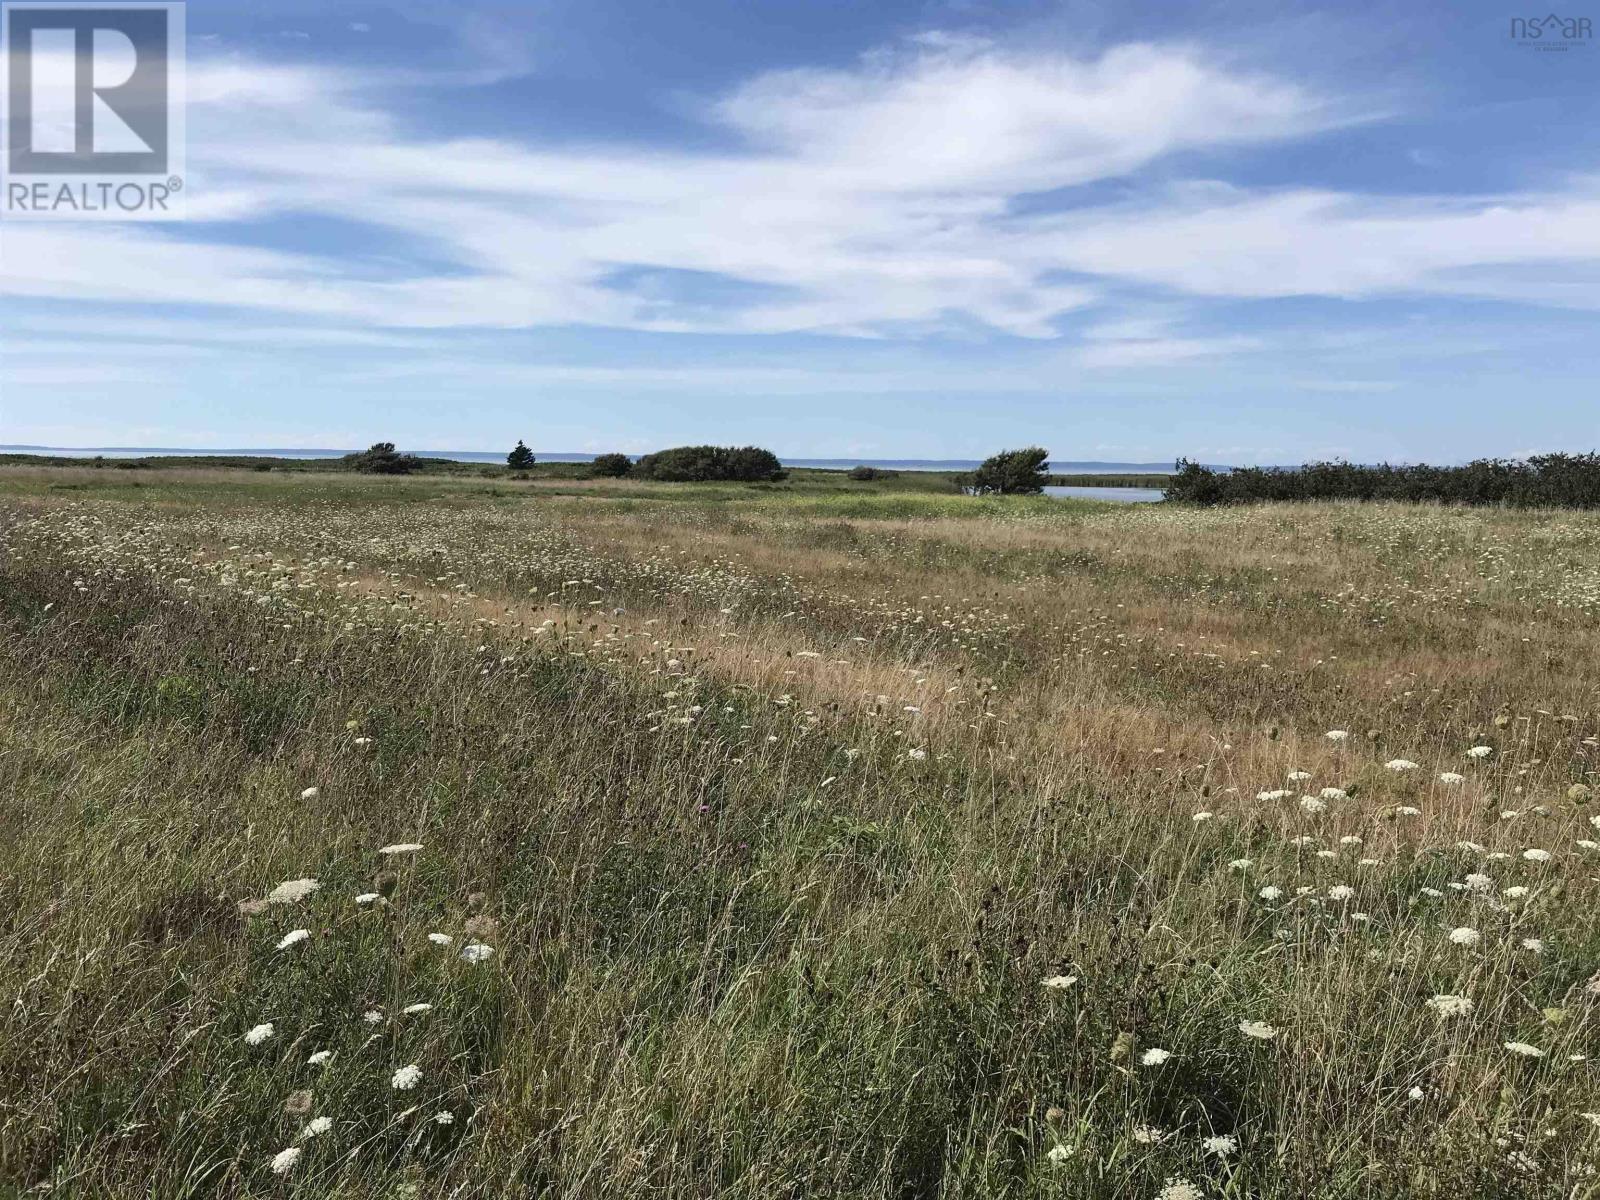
<point x="1241" y="232"/>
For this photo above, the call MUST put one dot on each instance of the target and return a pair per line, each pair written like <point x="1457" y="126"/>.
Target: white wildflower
<point x="260" y="1033"/>
<point x="1450" y="1006"/>
<point x="284" y="1160"/>
<point x="406" y="1078"/>
<point x="292" y="891"/>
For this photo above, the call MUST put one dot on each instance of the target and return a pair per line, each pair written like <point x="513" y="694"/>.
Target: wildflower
<point x="1180" y="1189"/>
<point x="1333" y="793"/>
<point x="293" y="891"/>
<point x="1524" y="1049"/>
<point x="1155" y="1056"/>
<point x="1240" y="864"/>
<point x="1478" y="883"/>
<point x="1451" y="778"/>
<point x="1536" y="855"/>
<point x="1464" y="936"/>
<point x="1337" y="735"/>
<point x="417" y="1008"/>
<point x="476" y="952"/>
<point x="1340" y="891"/>
<point x="1270" y="893"/>
<point x="444" y="1118"/>
<point x="1059" y="1154"/>
<point x="401" y="848"/>
<point x="1432" y="893"/>
<point x="293" y="938"/>
<point x="1258" y="1029"/>
<point x="310" y="793"/>
<point x="260" y="1033"/>
<point x="321" y="1058"/>
<point x="1533" y="945"/>
<point x="1221" y="1145"/>
<point x="372" y="1016"/>
<point x="298" y="1104"/>
<point x="1400" y="764"/>
<point x="1480" y="752"/>
<point x="368" y="897"/>
<point x="406" y="1078"/>
<point x="1299" y="776"/>
<point x="1470" y="847"/>
<point x="1416" y="1093"/>
<point x="916" y="753"/>
<point x="1276" y="794"/>
<point x="1149" y="1135"/>
<point x="1406" y="810"/>
<point x="1311" y="804"/>
<point x="1201" y="816"/>
<point x="440" y="939"/>
<point x="1515" y="893"/>
<point x="1350" y="839"/>
<point x="1450" y="1006"/>
<point x="284" y="1160"/>
<point x="316" y="1127"/>
<point x="1060" y="983"/>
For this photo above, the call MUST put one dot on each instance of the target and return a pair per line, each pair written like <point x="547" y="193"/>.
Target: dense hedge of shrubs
<point x="1541" y="480"/>
<point x="610" y="466"/>
<point x="703" y="464"/>
<point x="382" y="459"/>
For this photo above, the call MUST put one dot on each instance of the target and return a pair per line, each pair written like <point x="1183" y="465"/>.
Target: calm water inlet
<point x="1123" y="495"/>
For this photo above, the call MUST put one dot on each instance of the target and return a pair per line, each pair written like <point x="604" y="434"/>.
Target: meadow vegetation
<point x="421" y="835"/>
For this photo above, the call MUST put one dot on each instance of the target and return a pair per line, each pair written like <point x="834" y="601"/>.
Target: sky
<point x="1239" y="232"/>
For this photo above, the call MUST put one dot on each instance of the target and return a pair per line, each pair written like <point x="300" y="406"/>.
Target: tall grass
<point x="775" y="819"/>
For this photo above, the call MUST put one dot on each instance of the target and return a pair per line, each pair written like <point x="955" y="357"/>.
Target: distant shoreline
<point x="484" y="456"/>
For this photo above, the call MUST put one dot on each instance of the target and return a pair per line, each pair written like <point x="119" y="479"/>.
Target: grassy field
<point x="441" y="836"/>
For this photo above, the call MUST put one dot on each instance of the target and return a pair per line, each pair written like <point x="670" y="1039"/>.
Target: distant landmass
<point x="1058" y="466"/>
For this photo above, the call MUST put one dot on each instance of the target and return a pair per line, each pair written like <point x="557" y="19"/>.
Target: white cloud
<point x="877" y="201"/>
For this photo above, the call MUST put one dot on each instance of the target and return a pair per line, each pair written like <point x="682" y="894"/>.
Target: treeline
<point x="1539" y="481"/>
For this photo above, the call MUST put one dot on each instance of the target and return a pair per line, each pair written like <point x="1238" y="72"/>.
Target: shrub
<point x="381" y="458"/>
<point x="610" y="466"/>
<point x="704" y="464"/>
<point x="1542" y="480"/>
<point x="864" y="474"/>
<point x="1011" y="472"/>
<point x="520" y="458"/>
